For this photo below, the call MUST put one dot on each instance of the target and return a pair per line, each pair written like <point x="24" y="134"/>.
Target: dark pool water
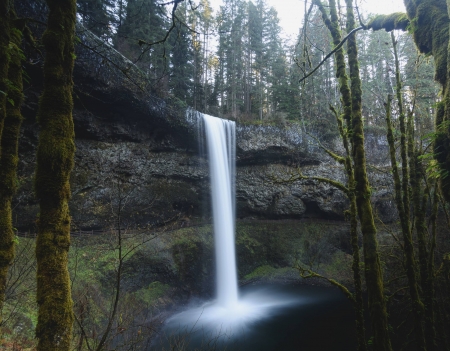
<point x="303" y="317"/>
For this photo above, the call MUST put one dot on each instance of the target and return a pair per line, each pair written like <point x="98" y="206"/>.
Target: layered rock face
<point x="138" y="159"/>
<point x="158" y="176"/>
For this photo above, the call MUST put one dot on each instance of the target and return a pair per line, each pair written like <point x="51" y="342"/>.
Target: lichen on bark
<point x="55" y="156"/>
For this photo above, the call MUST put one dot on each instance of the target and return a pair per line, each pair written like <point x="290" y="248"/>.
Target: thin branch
<point x="334" y="156"/>
<point x="300" y="176"/>
<point x="331" y="53"/>
<point x="308" y="273"/>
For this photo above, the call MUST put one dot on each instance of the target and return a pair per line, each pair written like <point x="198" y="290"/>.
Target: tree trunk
<point x="373" y="271"/>
<point x="403" y="199"/>
<point x="352" y="114"/>
<point x="8" y="157"/>
<point x="55" y="156"/>
<point x="4" y="57"/>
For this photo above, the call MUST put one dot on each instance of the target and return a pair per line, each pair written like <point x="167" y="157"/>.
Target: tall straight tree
<point x="373" y="271"/>
<point x="428" y="20"/>
<point x="96" y="16"/>
<point x="55" y="158"/>
<point x="352" y="115"/>
<point x="256" y="26"/>
<point x="232" y="20"/>
<point x="144" y="21"/>
<point x="181" y="58"/>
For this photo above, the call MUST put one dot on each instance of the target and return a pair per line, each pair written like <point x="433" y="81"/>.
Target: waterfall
<point x="230" y="315"/>
<point x="221" y="141"/>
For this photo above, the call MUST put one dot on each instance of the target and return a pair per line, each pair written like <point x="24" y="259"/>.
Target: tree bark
<point x="4" y="57"/>
<point x="55" y="156"/>
<point x="373" y="271"/>
<point x="9" y="155"/>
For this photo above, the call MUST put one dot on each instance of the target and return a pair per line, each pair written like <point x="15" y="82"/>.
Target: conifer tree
<point x="97" y="16"/>
<point x="181" y="59"/>
<point x="144" y="23"/>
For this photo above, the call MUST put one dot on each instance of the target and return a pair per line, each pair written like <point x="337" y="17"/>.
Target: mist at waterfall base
<point x="260" y="317"/>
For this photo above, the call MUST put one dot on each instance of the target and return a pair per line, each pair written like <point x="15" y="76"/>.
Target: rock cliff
<point x="138" y="155"/>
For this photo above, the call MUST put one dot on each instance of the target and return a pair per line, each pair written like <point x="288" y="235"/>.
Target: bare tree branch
<point x="331" y="53"/>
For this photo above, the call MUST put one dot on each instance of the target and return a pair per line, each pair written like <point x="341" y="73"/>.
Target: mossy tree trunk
<point x="410" y="263"/>
<point x="349" y="190"/>
<point x="430" y="27"/>
<point x="4" y="57"/>
<point x="352" y="114"/>
<point x="402" y="186"/>
<point x="55" y="155"/>
<point x="359" y="301"/>
<point x="373" y="271"/>
<point x="429" y="22"/>
<point x="8" y="157"/>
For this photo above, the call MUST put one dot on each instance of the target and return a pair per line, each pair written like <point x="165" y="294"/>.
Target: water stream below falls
<point x="298" y="318"/>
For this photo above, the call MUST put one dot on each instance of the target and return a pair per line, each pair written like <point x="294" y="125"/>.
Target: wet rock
<point x="142" y="151"/>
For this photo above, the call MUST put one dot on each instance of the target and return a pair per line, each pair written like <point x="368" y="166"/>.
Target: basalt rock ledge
<point x="138" y="156"/>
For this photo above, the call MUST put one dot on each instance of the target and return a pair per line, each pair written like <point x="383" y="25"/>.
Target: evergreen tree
<point x="97" y="16"/>
<point x="229" y="39"/>
<point x="144" y="21"/>
<point x="181" y="59"/>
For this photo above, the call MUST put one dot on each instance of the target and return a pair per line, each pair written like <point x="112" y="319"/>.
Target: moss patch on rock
<point x="267" y="272"/>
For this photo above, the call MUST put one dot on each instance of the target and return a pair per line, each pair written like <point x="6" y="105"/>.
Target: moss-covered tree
<point x="402" y="199"/>
<point x="9" y="146"/>
<point x="4" y="57"/>
<point x="428" y="20"/>
<point x="352" y="115"/>
<point x="55" y="156"/>
<point x="373" y="271"/>
<point x="349" y="190"/>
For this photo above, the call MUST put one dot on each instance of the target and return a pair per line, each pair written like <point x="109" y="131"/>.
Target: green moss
<point x="394" y="21"/>
<point x="152" y="293"/>
<point x="55" y="154"/>
<point x="261" y="272"/>
<point x="187" y="256"/>
<point x="249" y="243"/>
<point x="9" y="156"/>
<point x="4" y="57"/>
<point x="269" y="272"/>
<point x="339" y="267"/>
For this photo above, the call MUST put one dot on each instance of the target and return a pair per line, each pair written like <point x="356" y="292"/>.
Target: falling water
<point x="221" y="141"/>
<point x="230" y="314"/>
